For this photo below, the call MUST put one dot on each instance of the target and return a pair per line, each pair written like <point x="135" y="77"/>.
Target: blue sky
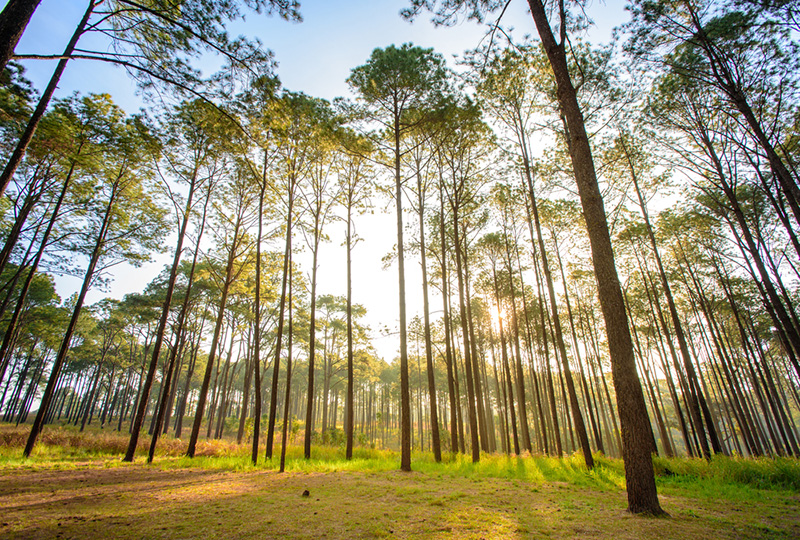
<point x="315" y="57"/>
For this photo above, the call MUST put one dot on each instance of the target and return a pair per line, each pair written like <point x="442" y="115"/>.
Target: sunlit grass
<point x="65" y="447"/>
<point x="763" y="473"/>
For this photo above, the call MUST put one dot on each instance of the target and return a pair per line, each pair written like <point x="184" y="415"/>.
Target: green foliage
<point x="761" y="473"/>
<point x="399" y="88"/>
<point x="16" y="94"/>
<point x="157" y="40"/>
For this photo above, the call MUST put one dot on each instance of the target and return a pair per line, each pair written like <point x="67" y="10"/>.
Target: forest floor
<point x="60" y="494"/>
<point x="93" y="500"/>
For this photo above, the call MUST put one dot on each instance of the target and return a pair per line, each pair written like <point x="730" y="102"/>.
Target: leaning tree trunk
<point x="550" y="388"/>
<point x="73" y="322"/>
<point x="159" y="338"/>
<point x="27" y="135"/>
<point x="201" y="399"/>
<point x="577" y="417"/>
<point x="13" y="20"/>
<point x="639" y="474"/>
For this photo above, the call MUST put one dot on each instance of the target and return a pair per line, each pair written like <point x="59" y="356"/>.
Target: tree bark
<point x="437" y="449"/>
<point x="405" y="399"/>
<point x="639" y="474"/>
<point x="13" y="20"/>
<point x="473" y="419"/>
<point x="287" y="392"/>
<point x="201" y="400"/>
<point x="273" y="398"/>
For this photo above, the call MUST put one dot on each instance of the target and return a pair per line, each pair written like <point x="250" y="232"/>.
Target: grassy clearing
<point x="75" y="485"/>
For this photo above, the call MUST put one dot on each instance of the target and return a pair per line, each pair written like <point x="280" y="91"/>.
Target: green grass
<point x="65" y="446"/>
<point x="86" y="490"/>
<point x="763" y="473"/>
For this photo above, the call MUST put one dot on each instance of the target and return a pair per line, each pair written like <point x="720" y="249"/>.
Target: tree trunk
<point x="27" y="135"/>
<point x="159" y="337"/>
<point x="13" y="20"/>
<point x="201" y="400"/>
<point x="73" y="322"/>
<point x="640" y="478"/>
<point x="287" y="393"/>
<point x="273" y="398"/>
<point x="473" y="419"/>
<point x="257" y="319"/>
<point x="312" y="342"/>
<point x="447" y="331"/>
<point x="350" y="374"/>
<point x="405" y="398"/>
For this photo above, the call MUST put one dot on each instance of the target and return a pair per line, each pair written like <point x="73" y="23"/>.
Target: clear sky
<point x="315" y="57"/>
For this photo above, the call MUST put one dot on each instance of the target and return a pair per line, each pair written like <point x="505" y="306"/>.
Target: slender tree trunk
<point x="473" y="419"/>
<point x="257" y="321"/>
<point x="546" y="358"/>
<point x="201" y="400"/>
<point x="577" y="417"/>
<point x="405" y="398"/>
<point x="437" y="449"/>
<point x="587" y="396"/>
<point x="159" y="337"/>
<point x="287" y="399"/>
<point x="73" y="322"/>
<point x="350" y="374"/>
<point x="273" y="398"/>
<point x="447" y="331"/>
<point x="312" y="341"/>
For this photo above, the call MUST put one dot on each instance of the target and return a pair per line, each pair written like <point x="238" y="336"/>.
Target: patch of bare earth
<point x="138" y="501"/>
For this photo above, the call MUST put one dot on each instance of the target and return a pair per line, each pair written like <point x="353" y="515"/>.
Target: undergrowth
<point x="63" y="447"/>
<point x="762" y="473"/>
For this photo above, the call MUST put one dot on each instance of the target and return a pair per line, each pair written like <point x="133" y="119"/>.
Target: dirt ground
<point x="138" y="501"/>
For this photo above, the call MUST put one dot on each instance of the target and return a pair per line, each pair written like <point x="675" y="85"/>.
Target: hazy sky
<point x="315" y="57"/>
